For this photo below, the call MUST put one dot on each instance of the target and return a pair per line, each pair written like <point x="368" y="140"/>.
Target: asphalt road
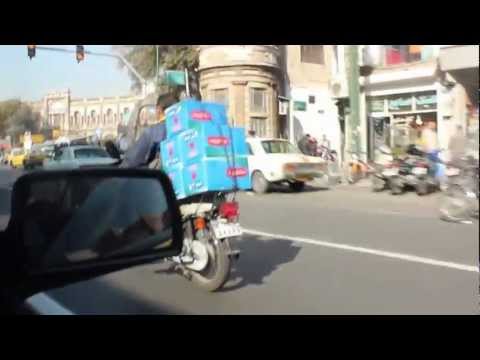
<point x="338" y="251"/>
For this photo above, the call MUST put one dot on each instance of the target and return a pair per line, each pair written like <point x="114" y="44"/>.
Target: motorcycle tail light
<point x="199" y="223"/>
<point x="229" y="210"/>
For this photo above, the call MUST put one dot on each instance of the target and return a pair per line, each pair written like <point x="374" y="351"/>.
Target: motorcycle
<point x="460" y="199"/>
<point x="207" y="255"/>
<point x="210" y="221"/>
<point x="385" y="169"/>
<point x="416" y="171"/>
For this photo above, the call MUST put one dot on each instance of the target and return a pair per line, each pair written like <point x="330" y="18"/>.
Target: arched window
<point x="93" y="117"/>
<point x="109" y="116"/>
<point x="76" y="119"/>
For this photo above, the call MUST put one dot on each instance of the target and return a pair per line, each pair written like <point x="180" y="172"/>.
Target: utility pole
<point x="353" y="145"/>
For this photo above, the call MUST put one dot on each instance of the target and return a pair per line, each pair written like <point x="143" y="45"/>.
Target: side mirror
<point x="70" y="226"/>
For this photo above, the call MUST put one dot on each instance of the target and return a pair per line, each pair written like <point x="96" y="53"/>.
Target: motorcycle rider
<point x="147" y="148"/>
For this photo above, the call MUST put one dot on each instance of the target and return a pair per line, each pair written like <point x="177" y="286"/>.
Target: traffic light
<point x="31" y="51"/>
<point x="80" y="53"/>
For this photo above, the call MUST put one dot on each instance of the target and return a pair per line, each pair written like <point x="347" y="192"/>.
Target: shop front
<point x="397" y="120"/>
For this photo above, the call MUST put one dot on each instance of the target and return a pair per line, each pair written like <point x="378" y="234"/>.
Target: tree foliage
<point x="170" y="57"/>
<point x="17" y="117"/>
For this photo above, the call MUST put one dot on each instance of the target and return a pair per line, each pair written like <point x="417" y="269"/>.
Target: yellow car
<point x="16" y="157"/>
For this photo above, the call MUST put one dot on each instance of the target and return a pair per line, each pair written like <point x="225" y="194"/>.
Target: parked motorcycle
<point x="460" y="199"/>
<point x="385" y="169"/>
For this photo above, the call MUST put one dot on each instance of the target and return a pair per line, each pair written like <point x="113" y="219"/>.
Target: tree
<point x="7" y="109"/>
<point x="21" y="120"/>
<point x="171" y="57"/>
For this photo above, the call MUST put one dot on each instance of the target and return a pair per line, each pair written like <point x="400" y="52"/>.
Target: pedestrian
<point x="429" y="137"/>
<point x="303" y="144"/>
<point x="251" y="133"/>
<point x="312" y="146"/>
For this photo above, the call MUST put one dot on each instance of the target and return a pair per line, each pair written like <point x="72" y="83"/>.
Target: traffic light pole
<point x="115" y="56"/>
<point x="353" y="76"/>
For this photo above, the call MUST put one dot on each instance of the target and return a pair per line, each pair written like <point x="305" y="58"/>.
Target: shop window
<point x="426" y="101"/>
<point x="258" y="100"/>
<point x="401" y="54"/>
<point x="313" y="54"/>
<point x="400" y="103"/>
<point x="259" y="125"/>
<point x="299" y="106"/>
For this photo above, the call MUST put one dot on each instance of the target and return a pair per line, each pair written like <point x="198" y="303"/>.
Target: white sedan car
<point x="278" y="161"/>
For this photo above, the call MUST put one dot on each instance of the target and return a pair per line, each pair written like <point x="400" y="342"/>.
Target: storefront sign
<point x="400" y="103"/>
<point x="299" y="106"/>
<point x="426" y="101"/>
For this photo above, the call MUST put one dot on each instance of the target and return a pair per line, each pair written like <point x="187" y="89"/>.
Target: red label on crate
<point x="201" y="115"/>
<point x="218" y="140"/>
<point x="237" y="172"/>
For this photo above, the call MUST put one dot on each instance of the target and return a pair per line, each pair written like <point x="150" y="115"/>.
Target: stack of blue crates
<point x="202" y="153"/>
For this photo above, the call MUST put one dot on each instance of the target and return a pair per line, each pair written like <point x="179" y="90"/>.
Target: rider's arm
<point x="139" y="152"/>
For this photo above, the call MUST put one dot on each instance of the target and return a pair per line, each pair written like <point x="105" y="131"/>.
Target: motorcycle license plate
<point x="224" y="230"/>
<point x="419" y="171"/>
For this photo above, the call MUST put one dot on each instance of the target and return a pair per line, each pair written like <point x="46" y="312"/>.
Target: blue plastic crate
<point x="191" y="114"/>
<point x="211" y="141"/>
<point x="170" y="152"/>
<point x="216" y="174"/>
<point x="176" y="173"/>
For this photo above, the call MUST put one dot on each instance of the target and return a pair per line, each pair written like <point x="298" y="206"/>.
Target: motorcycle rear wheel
<point x="217" y="271"/>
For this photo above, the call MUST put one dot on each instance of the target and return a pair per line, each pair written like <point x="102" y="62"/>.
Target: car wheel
<point x="297" y="186"/>
<point x="260" y="185"/>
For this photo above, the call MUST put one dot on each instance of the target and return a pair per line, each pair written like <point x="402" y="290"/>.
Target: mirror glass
<point x="72" y="220"/>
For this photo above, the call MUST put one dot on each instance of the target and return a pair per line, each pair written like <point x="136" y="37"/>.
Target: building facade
<point x="405" y="89"/>
<point x="308" y="70"/>
<point x="246" y="79"/>
<point x="86" y="116"/>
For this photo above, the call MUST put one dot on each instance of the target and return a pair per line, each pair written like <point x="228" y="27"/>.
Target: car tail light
<point x="229" y="210"/>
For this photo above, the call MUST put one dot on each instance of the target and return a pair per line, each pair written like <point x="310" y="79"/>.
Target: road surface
<point x="339" y="251"/>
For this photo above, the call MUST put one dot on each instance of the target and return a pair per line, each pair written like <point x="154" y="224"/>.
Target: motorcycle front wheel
<point x="454" y="205"/>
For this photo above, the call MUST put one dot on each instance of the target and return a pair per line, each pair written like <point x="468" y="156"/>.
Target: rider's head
<point x="163" y="103"/>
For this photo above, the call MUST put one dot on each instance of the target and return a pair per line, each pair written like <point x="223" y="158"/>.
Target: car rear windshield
<point x="279" y="147"/>
<point x="90" y="153"/>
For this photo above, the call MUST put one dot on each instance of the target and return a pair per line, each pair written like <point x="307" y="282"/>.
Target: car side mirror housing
<point x="69" y="226"/>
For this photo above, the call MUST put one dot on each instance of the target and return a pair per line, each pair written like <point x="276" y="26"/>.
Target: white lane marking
<point x="388" y="254"/>
<point x="43" y="304"/>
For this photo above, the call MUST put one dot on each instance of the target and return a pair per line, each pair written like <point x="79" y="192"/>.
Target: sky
<point x="48" y="71"/>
